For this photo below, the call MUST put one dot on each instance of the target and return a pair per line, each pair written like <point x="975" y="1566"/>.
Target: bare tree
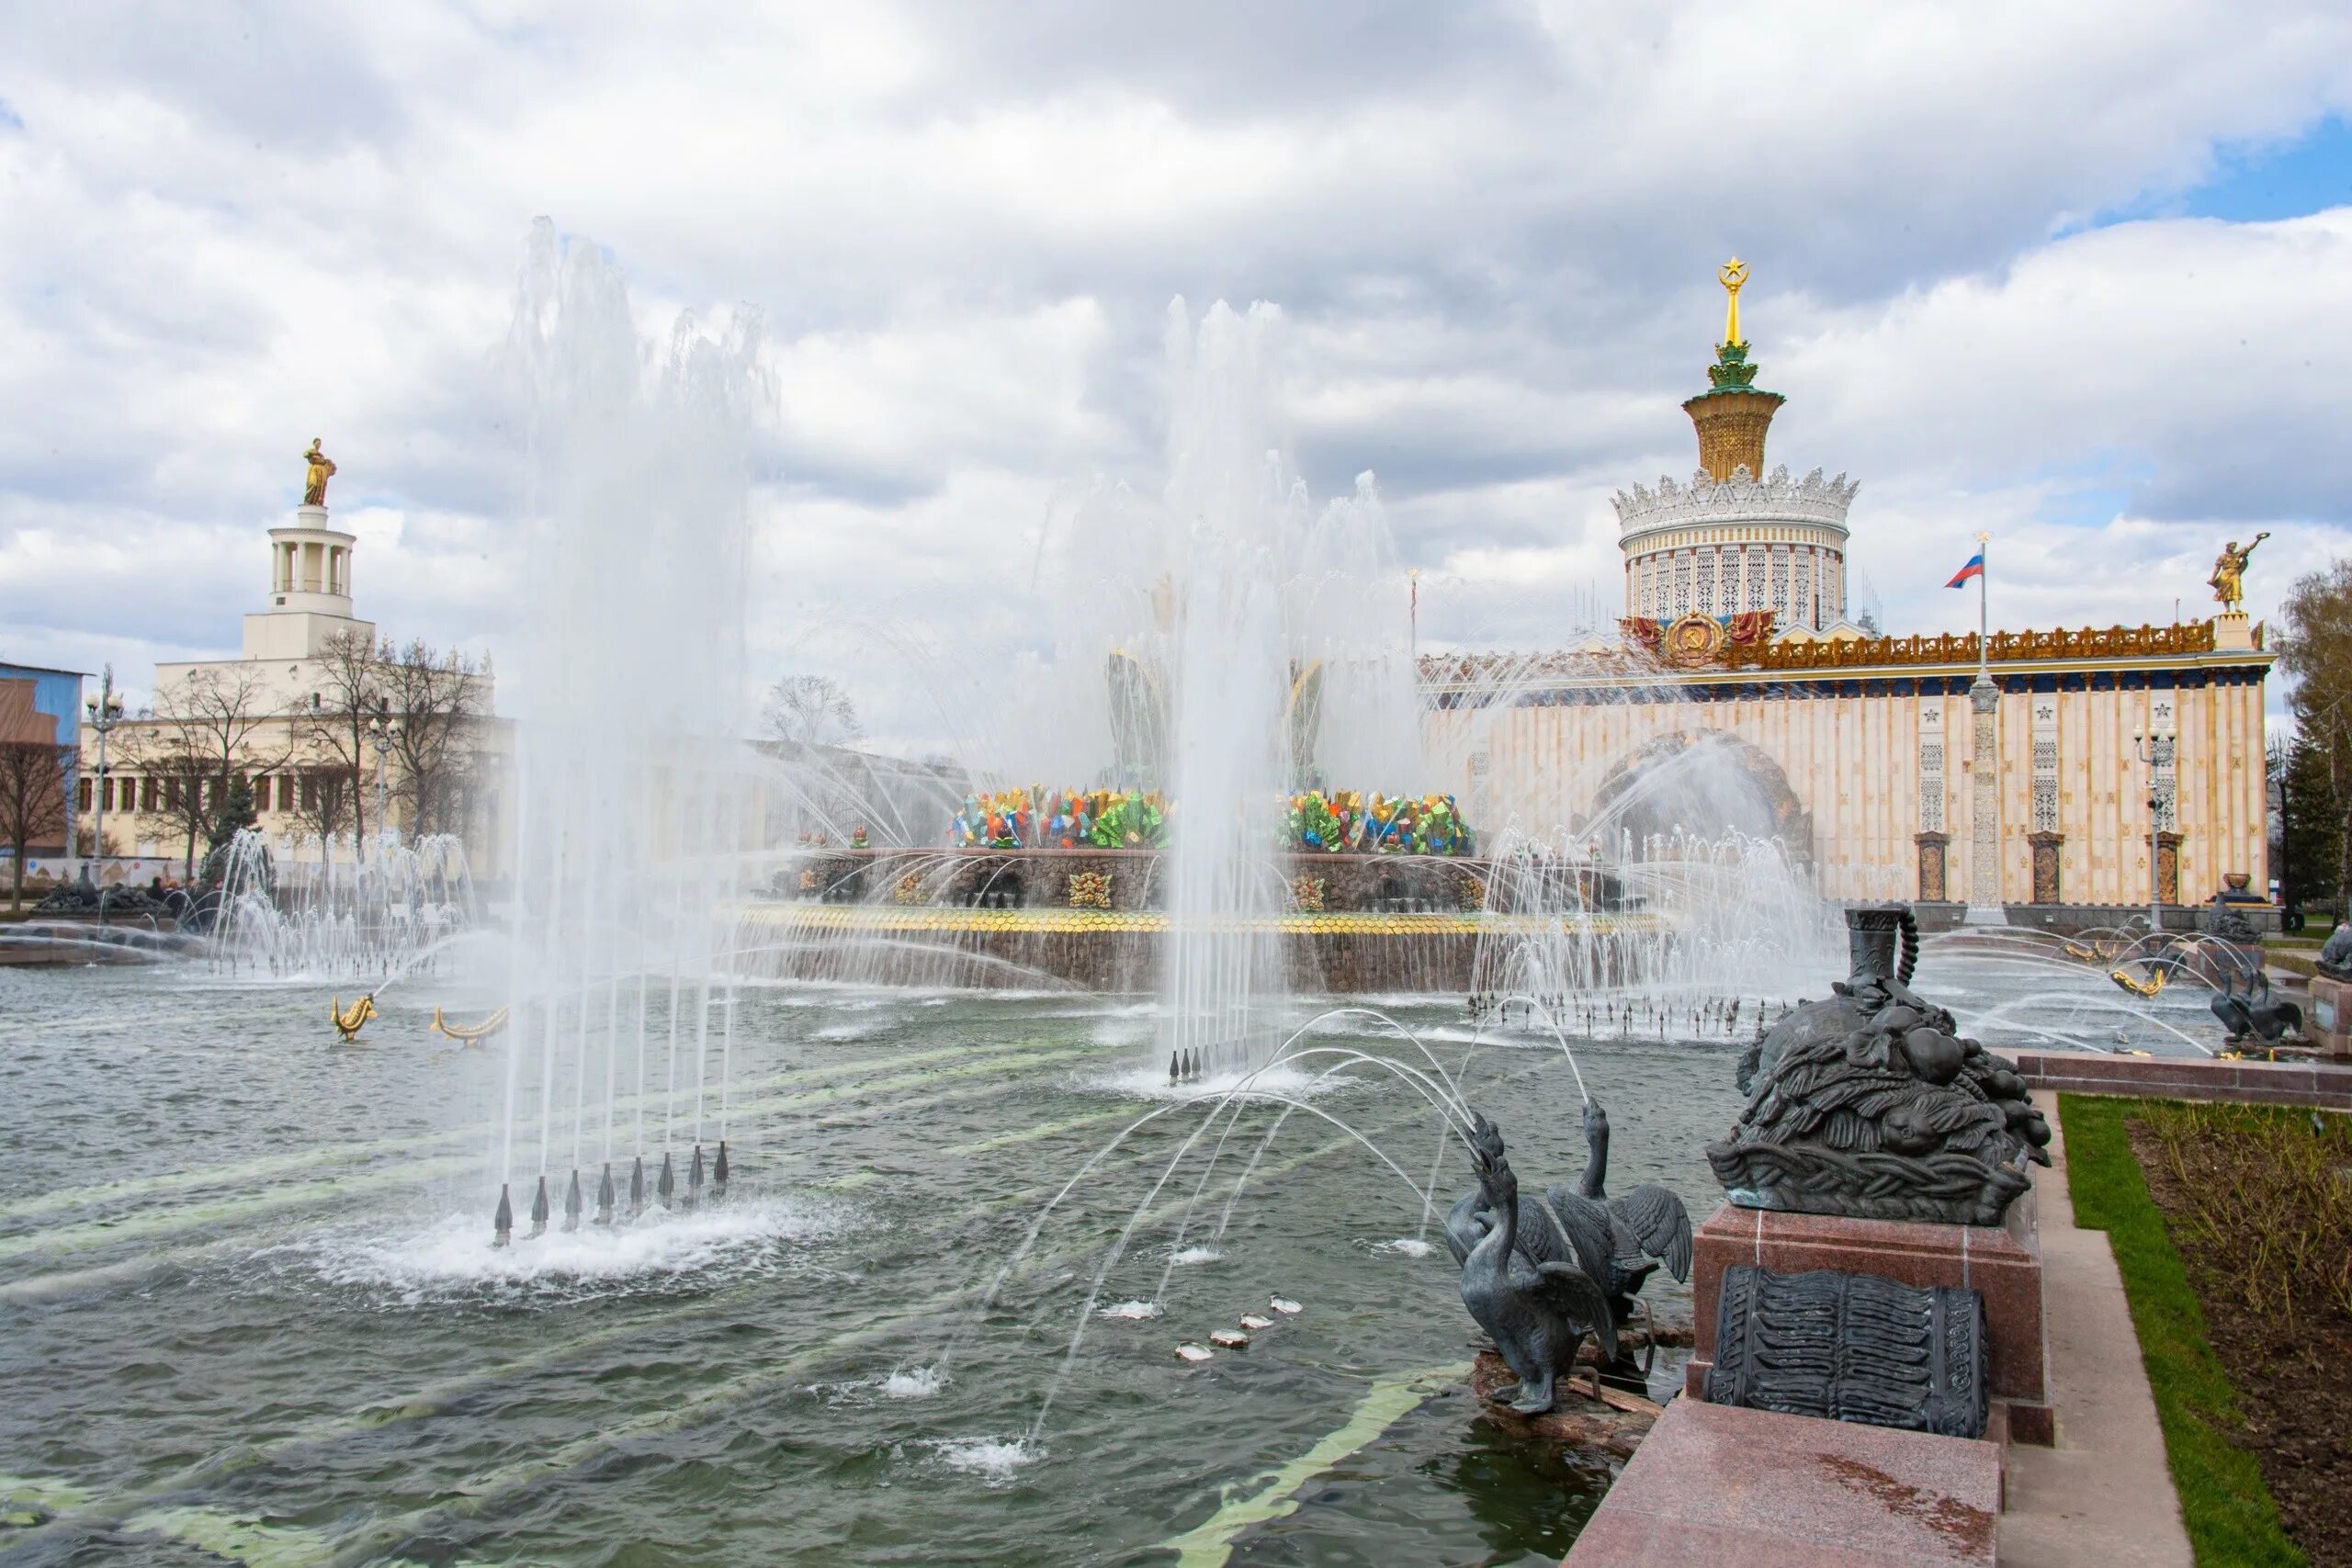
<point x="325" y="801"/>
<point x="2317" y="650"/>
<point x="32" y="800"/>
<point x="210" y="729"/>
<point x="440" y="700"/>
<point x="184" y="777"/>
<point x="811" y="710"/>
<point x="333" y="719"/>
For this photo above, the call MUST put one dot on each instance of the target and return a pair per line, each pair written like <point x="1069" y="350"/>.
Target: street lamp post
<point x="2150" y="750"/>
<point x="382" y="729"/>
<point x="104" y="711"/>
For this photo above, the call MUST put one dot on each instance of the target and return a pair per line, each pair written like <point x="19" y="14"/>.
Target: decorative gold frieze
<point x="1831" y="653"/>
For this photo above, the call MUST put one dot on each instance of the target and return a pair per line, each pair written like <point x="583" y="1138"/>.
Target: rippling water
<point x="246" y="1303"/>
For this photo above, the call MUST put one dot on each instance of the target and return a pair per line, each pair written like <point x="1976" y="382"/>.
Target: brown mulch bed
<point x="2259" y="1204"/>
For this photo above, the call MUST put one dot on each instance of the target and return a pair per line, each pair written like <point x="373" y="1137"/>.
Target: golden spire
<point x="1734" y="413"/>
<point x="1733" y="273"/>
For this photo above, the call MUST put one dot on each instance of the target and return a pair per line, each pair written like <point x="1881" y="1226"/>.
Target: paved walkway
<point x="2103" y="1495"/>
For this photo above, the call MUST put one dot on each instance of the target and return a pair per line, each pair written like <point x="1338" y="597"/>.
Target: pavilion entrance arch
<point x="1704" y="783"/>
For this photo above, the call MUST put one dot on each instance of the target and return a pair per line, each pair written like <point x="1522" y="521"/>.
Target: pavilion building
<point x="278" y="686"/>
<point x="2051" y="769"/>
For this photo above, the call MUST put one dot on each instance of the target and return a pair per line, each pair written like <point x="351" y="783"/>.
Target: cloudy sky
<point x="2077" y="273"/>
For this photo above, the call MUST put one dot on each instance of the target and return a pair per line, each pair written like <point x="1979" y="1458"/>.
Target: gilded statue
<point x="320" y="469"/>
<point x="1732" y="274"/>
<point x="2228" y="572"/>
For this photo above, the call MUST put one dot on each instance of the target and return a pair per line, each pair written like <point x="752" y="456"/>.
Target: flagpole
<point x="1984" y="620"/>
<point x="1986" y="907"/>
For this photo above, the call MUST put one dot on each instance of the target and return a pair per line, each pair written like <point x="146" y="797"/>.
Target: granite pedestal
<point x="2328" y="1022"/>
<point x="2001" y="1264"/>
<point x="1714" y="1485"/>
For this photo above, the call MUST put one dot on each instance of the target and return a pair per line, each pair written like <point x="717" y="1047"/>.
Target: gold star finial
<point x="1732" y="274"/>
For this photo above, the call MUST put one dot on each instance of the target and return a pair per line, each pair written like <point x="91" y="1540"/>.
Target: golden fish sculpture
<point x="349" y="1024"/>
<point x="468" y="1033"/>
<point x="2147" y="988"/>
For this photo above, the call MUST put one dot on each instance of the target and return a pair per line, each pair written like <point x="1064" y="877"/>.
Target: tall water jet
<point x="1228" y="667"/>
<point x="1239" y="616"/>
<point x="634" y="790"/>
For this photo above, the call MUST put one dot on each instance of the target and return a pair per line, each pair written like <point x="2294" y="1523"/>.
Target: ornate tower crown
<point x="1734" y="413"/>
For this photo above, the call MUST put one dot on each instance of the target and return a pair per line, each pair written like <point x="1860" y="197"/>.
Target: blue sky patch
<point x="2259" y="182"/>
<point x="2253" y="186"/>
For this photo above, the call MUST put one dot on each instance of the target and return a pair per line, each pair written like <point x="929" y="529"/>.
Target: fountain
<point x="1211" y="679"/>
<point x="636" y="797"/>
<point x="1233" y="667"/>
<point x="338" y="908"/>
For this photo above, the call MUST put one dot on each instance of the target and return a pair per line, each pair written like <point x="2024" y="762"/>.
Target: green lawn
<point x="2230" y="1516"/>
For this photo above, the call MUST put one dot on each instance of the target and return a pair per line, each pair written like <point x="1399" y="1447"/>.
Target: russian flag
<point x="1975" y="568"/>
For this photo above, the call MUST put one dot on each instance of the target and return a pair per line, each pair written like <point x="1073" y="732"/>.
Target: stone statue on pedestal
<point x="2335" y="957"/>
<point x="318" y="468"/>
<point x="1869" y="1105"/>
<point x="2229" y="573"/>
<point x="1542" y="1271"/>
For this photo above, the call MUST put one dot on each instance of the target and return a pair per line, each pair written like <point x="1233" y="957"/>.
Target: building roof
<point x="39" y="670"/>
<point x="2190" y="645"/>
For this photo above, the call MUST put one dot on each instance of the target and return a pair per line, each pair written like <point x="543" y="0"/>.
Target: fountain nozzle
<point x="637" y="1187"/>
<point x="1172" y="1073"/>
<point x="718" y="1172"/>
<point x="539" y="1209"/>
<point x="605" y="1196"/>
<point x="571" y="1204"/>
<point x="667" y="1183"/>
<point x="503" y="1222"/>
<point x="693" y="1178"/>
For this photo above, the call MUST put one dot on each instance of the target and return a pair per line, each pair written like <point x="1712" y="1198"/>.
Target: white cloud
<point x="1492" y="227"/>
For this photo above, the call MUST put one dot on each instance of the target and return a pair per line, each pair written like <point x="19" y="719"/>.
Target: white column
<point x="1985" y="907"/>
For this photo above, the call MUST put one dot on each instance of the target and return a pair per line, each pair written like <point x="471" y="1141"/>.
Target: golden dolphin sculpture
<point x="349" y="1024"/>
<point x="468" y="1033"/>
